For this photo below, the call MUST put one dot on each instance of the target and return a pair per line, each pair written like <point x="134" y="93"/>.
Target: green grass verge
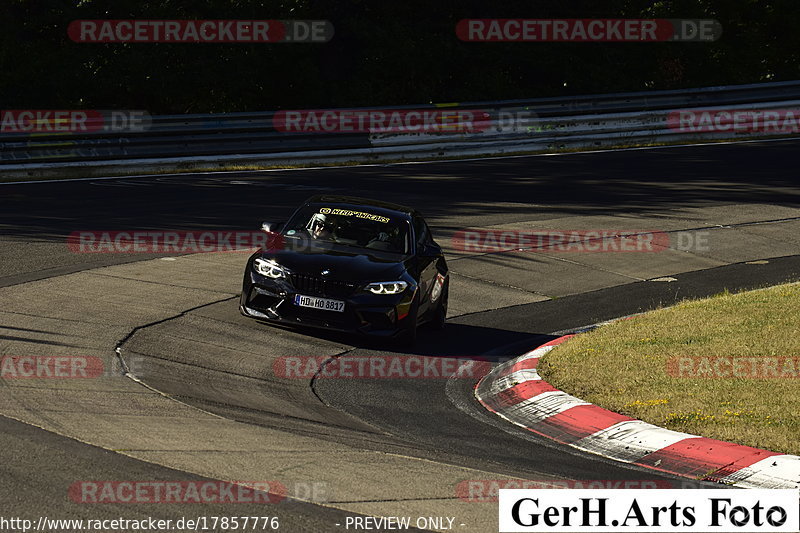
<point x="690" y="367"/>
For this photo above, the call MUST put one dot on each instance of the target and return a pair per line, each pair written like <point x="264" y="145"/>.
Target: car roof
<point x="356" y="202"/>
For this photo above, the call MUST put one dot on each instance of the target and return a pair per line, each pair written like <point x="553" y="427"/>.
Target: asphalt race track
<point x="380" y="447"/>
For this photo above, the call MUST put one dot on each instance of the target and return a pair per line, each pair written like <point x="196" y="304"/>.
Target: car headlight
<point x="269" y="268"/>
<point x="387" y="287"/>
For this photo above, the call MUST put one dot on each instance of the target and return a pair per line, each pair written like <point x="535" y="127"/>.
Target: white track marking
<point x="776" y="472"/>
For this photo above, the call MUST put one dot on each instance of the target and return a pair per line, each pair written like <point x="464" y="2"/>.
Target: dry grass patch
<point x="641" y="367"/>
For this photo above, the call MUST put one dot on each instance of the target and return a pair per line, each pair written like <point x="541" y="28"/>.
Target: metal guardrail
<point x="593" y="121"/>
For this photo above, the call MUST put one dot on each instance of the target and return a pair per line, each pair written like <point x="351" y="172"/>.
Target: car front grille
<point x="319" y="286"/>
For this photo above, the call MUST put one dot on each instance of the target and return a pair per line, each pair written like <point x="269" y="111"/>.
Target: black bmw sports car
<point x="349" y="264"/>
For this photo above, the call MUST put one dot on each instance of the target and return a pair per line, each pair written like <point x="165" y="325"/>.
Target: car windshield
<point x="353" y="227"/>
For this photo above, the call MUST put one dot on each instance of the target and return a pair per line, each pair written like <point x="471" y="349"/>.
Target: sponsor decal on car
<point x="349" y="213"/>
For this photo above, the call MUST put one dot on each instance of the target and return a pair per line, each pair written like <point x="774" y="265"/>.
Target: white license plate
<point x="325" y="304"/>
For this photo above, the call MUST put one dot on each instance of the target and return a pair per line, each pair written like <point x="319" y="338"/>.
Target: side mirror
<point x="271" y="227"/>
<point x="430" y="250"/>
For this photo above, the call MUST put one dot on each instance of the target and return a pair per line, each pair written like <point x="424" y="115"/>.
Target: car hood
<point x="343" y="264"/>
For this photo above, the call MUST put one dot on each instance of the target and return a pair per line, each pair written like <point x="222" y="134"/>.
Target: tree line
<point x="382" y="53"/>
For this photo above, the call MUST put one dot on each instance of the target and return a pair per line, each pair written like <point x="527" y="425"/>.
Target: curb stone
<point x="515" y="391"/>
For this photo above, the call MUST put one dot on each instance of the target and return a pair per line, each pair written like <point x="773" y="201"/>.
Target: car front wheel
<point x="408" y="337"/>
<point x="440" y="318"/>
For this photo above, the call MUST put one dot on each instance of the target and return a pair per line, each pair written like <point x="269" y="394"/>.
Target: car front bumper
<point x="380" y="315"/>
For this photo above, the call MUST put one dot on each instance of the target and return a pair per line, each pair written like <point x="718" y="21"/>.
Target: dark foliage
<point x="383" y="53"/>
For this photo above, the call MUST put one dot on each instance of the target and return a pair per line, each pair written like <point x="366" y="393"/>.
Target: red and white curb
<point x="515" y="391"/>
